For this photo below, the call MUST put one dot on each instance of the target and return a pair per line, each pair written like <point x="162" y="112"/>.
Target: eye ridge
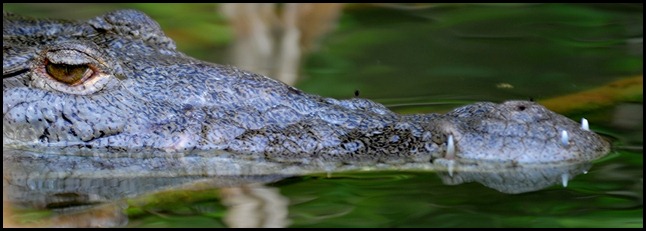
<point x="69" y="74"/>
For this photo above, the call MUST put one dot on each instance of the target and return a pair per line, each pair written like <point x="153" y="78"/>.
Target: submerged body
<point x="115" y="86"/>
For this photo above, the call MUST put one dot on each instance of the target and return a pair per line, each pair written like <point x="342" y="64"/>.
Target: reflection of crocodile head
<point x="66" y="182"/>
<point x="510" y="179"/>
<point x="97" y="199"/>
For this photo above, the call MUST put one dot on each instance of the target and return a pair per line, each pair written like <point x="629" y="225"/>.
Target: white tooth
<point x="584" y="124"/>
<point x="450" y="148"/>
<point x="564" y="137"/>
<point x="585" y="172"/>
<point x="450" y="167"/>
<point x="564" y="179"/>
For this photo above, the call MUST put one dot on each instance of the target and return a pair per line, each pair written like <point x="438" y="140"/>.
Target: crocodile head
<point x="115" y="84"/>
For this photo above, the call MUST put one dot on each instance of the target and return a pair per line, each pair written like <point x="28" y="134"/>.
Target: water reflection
<point x="91" y="191"/>
<point x="515" y="179"/>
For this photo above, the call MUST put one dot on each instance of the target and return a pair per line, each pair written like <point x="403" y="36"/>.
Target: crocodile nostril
<point x="521" y="107"/>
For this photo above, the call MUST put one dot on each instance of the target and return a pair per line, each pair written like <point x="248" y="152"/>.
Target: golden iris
<point x="69" y="74"/>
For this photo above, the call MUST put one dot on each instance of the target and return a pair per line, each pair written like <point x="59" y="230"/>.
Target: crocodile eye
<point x="69" y="74"/>
<point x="75" y="67"/>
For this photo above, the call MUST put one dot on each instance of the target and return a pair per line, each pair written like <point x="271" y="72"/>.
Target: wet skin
<point x="115" y="86"/>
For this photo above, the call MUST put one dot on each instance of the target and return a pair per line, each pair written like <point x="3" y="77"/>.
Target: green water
<point x="431" y="59"/>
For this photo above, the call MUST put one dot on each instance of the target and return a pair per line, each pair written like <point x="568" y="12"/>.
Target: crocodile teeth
<point x="450" y="154"/>
<point x="450" y="167"/>
<point x="585" y="172"/>
<point x="450" y="148"/>
<point x="564" y="179"/>
<point x="584" y="124"/>
<point x="564" y="138"/>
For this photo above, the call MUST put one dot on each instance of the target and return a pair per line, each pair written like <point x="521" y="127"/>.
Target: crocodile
<point x="114" y="88"/>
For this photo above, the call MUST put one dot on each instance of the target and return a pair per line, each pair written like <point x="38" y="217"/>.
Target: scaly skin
<point x="144" y="98"/>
